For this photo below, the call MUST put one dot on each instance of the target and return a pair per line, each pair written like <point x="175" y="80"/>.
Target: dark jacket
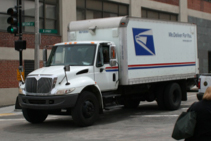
<point x="203" y="121"/>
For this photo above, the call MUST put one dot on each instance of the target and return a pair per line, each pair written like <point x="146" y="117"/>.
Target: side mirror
<point x="113" y="62"/>
<point x="67" y="68"/>
<point x="112" y="53"/>
<point x="45" y="57"/>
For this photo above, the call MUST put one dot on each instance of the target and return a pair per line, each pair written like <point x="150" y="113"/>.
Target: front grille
<point x="43" y="85"/>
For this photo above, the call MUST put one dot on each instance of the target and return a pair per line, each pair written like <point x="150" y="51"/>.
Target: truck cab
<point x="73" y="68"/>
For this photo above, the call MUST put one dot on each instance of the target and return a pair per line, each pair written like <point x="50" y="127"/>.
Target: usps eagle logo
<point x="143" y="41"/>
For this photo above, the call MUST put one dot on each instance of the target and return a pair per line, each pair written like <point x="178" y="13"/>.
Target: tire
<point x="86" y="110"/>
<point x="130" y="103"/>
<point x="160" y="97"/>
<point x="172" y="96"/>
<point x="34" y="116"/>
<point x="199" y="96"/>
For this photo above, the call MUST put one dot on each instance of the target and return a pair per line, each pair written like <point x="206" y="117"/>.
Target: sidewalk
<point x="9" y="109"/>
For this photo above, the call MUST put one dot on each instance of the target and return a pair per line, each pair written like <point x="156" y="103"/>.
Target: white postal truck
<point x="110" y="62"/>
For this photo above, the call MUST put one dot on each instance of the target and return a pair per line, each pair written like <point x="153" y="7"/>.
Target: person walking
<point x="202" y="108"/>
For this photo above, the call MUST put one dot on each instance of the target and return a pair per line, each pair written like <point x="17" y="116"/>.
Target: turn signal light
<point x="199" y="83"/>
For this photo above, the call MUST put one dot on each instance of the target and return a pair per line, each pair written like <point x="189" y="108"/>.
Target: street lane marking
<point x="23" y="119"/>
<point x="10" y="114"/>
<point x="11" y="119"/>
<point x="160" y="116"/>
<point x="154" y="116"/>
<point x="185" y="109"/>
<point x="191" y="95"/>
<point x="7" y="114"/>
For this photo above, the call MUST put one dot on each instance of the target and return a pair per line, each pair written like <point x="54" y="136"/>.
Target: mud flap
<point x="17" y="105"/>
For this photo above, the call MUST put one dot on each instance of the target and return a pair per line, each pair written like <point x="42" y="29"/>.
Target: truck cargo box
<point x="148" y="50"/>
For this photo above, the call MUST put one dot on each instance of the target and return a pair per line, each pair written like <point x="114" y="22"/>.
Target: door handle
<point x="101" y="69"/>
<point x="114" y="77"/>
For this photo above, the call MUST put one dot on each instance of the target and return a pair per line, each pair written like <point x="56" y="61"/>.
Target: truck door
<point x="105" y="75"/>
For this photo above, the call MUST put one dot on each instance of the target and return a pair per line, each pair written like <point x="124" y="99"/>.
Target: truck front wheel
<point x="172" y="96"/>
<point x="34" y="116"/>
<point x="86" y="110"/>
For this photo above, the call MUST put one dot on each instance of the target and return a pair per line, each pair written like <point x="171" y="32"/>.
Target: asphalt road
<point x="147" y="123"/>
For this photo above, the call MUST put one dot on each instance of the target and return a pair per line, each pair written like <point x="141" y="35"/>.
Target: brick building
<point x="56" y="14"/>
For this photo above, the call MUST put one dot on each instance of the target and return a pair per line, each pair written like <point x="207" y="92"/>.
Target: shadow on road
<point x="56" y="124"/>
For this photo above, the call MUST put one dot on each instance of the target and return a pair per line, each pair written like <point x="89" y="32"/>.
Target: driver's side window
<point x="103" y="56"/>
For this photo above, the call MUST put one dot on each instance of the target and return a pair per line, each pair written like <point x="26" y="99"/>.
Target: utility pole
<point x="37" y="37"/>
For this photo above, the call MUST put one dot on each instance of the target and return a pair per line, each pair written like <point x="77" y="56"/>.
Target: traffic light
<point x="12" y="20"/>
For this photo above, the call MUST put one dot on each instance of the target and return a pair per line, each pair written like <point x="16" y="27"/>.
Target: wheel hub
<point x="88" y="109"/>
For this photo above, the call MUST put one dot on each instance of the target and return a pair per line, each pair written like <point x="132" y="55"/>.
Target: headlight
<point x="67" y="91"/>
<point x="22" y="91"/>
<point x="54" y="82"/>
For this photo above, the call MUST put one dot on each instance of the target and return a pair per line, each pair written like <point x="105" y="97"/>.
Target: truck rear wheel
<point x="34" y="116"/>
<point x="86" y="110"/>
<point x="172" y="96"/>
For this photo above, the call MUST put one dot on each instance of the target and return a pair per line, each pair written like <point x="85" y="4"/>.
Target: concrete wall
<point x="8" y="96"/>
<point x="136" y="5"/>
<point x="204" y="42"/>
<point x="183" y="11"/>
<point x="67" y="13"/>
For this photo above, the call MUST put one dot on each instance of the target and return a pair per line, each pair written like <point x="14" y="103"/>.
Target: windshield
<point x="73" y="55"/>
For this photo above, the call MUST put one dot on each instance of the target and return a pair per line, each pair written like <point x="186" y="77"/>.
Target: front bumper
<point x="47" y="102"/>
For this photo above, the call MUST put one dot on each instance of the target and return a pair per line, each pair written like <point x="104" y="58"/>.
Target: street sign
<point x="51" y="31"/>
<point x="19" y="75"/>
<point x="28" y="24"/>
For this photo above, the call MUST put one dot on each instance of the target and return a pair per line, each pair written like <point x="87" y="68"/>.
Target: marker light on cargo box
<point x="92" y="42"/>
<point x="75" y="42"/>
<point x="70" y="43"/>
<point x="65" y="43"/>
<point x="122" y="23"/>
<point x="114" y="56"/>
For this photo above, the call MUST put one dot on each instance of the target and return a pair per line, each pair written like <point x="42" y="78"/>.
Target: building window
<point x="153" y="14"/>
<point x="47" y="12"/>
<point x="92" y="9"/>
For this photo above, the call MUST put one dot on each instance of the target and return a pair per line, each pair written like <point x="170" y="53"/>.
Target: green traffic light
<point x="12" y="29"/>
<point x="13" y="20"/>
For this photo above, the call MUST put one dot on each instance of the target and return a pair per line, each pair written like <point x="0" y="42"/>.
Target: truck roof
<point x="80" y="42"/>
<point x="112" y="22"/>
